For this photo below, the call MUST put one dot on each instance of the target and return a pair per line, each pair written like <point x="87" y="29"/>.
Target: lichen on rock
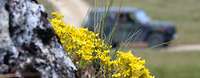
<point x="29" y="47"/>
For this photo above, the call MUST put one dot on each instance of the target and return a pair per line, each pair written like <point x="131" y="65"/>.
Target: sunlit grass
<point x="166" y="64"/>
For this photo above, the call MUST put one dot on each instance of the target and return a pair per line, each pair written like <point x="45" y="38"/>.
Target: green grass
<point x="172" y="65"/>
<point x="184" y="13"/>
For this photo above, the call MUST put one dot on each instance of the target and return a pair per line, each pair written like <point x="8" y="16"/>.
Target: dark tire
<point x="156" y="40"/>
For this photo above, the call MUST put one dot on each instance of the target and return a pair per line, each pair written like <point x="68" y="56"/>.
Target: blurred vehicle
<point x="129" y="24"/>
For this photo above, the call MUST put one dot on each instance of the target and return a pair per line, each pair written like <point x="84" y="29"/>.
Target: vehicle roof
<point x="115" y="9"/>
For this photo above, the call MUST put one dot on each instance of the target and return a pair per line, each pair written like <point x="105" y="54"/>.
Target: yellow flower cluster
<point x="79" y="42"/>
<point x="126" y="65"/>
<point x="85" y="47"/>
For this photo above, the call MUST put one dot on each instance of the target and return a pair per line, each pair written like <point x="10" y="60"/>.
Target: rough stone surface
<point x="28" y="45"/>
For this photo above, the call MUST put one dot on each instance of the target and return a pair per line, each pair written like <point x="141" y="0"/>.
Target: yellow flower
<point x="116" y="75"/>
<point x="85" y="47"/>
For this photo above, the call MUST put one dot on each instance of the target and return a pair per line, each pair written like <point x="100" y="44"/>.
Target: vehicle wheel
<point x="156" y="40"/>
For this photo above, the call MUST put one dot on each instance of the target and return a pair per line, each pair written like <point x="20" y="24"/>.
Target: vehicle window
<point x="142" y="17"/>
<point x="124" y="27"/>
<point x="125" y="18"/>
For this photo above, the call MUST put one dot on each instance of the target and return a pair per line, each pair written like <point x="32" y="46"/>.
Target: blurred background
<point x="180" y="59"/>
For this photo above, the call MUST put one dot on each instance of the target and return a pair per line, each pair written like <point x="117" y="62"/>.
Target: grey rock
<point x="28" y="44"/>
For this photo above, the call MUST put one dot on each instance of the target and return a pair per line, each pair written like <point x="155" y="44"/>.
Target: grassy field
<point x="172" y="65"/>
<point x="184" y="13"/>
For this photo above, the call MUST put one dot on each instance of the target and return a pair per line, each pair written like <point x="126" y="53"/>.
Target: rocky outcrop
<point x="28" y="45"/>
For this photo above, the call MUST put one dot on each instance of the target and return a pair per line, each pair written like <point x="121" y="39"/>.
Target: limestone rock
<point x="28" y="45"/>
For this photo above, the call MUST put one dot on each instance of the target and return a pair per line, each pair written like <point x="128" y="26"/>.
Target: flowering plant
<point x="87" y="50"/>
